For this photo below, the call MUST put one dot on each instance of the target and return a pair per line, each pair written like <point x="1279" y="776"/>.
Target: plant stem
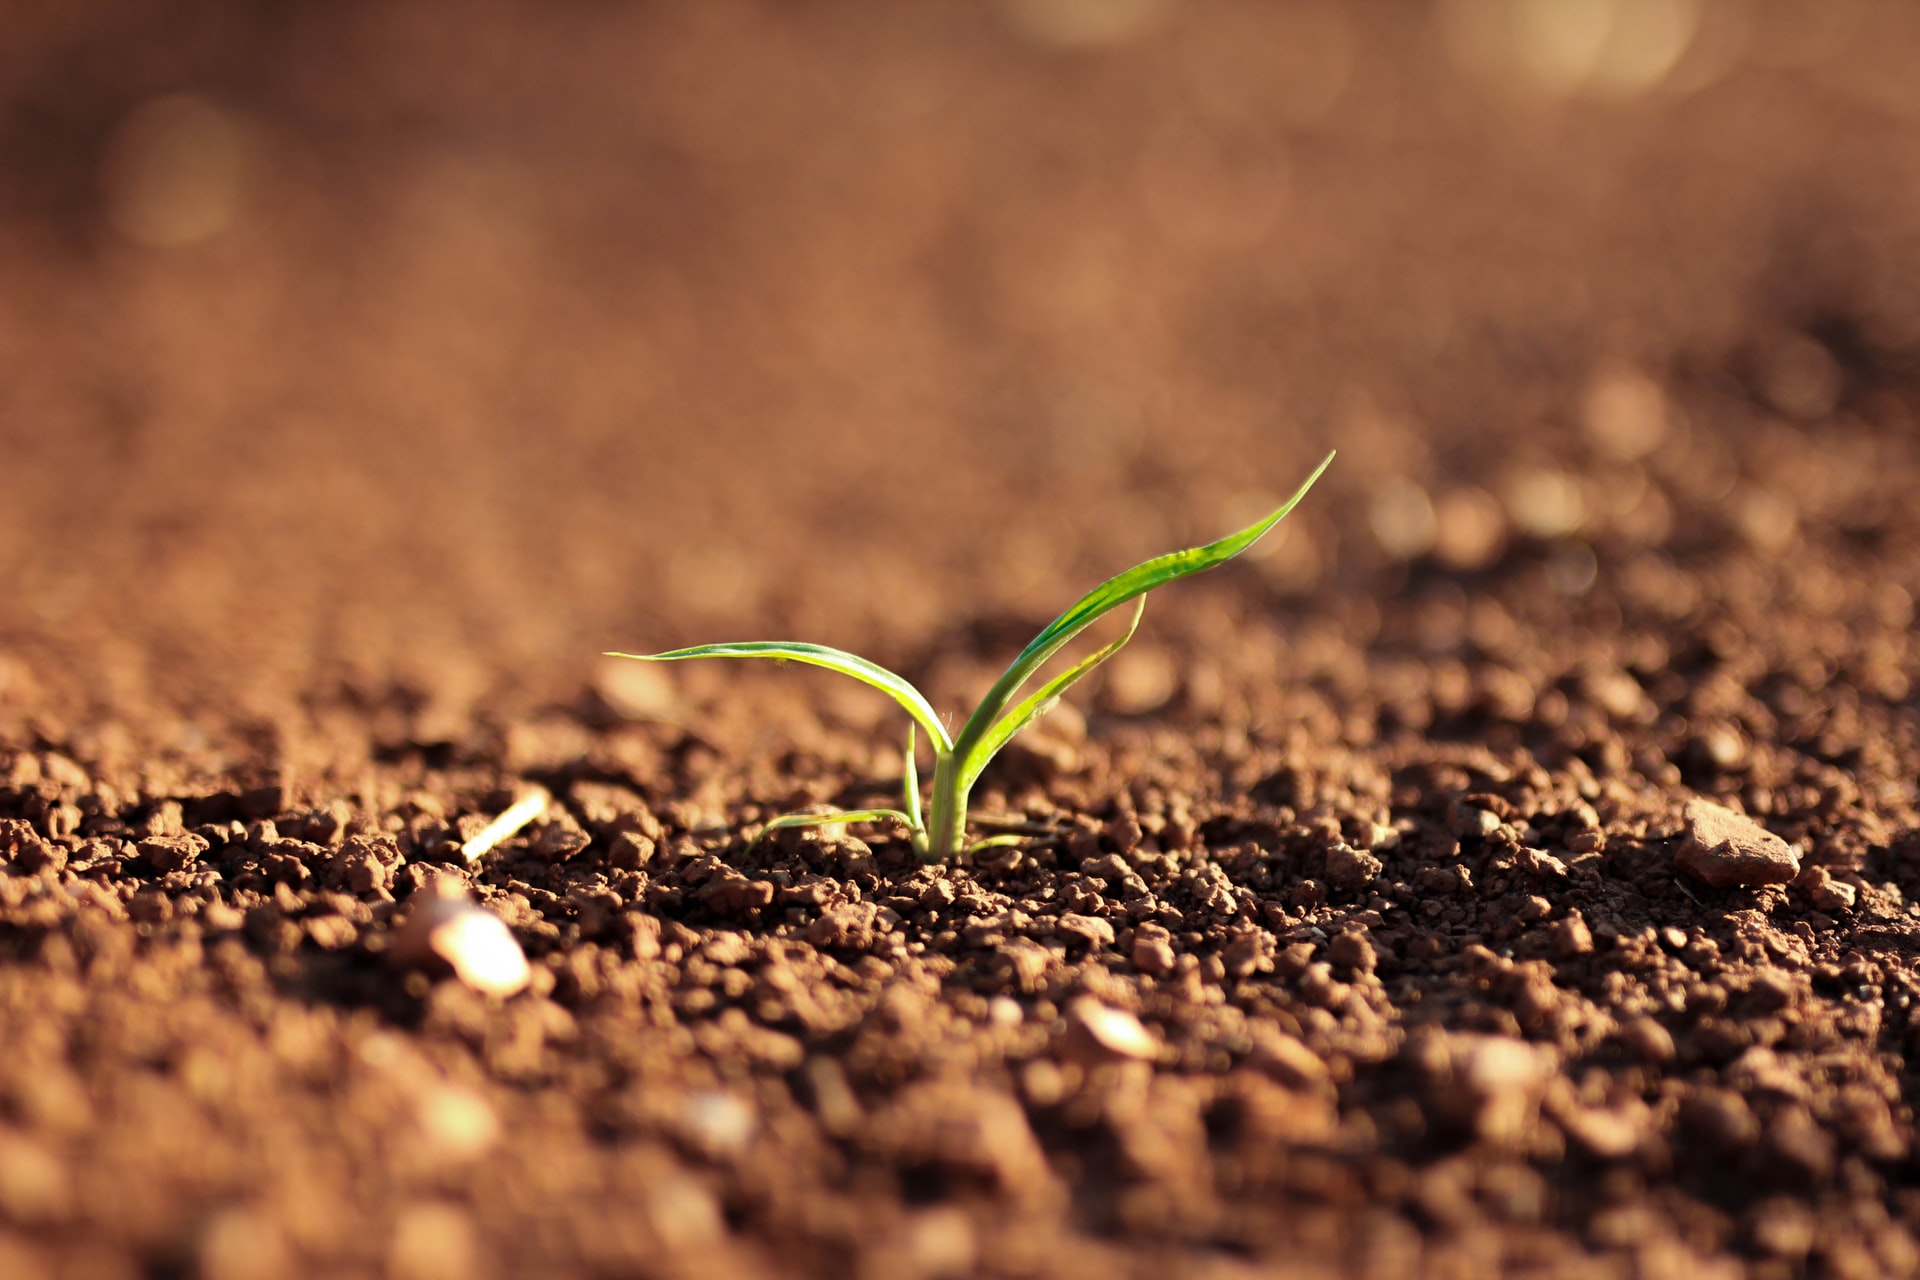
<point x="947" y="810"/>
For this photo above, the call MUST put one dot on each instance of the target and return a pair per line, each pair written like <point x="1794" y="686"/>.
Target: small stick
<point x="507" y="825"/>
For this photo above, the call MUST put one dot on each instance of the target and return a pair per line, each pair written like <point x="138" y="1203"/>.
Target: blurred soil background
<point x="366" y="369"/>
<point x="448" y="347"/>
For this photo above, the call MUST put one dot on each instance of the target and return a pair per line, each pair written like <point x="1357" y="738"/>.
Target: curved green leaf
<point x="1040" y="702"/>
<point x="910" y="781"/>
<point x="790" y="820"/>
<point x="1110" y="595"/>
<point x="818" y="655"/>
<point x="997" y="842"/>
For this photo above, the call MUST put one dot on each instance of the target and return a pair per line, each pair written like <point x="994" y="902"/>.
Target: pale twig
<point x="507" y="825"/>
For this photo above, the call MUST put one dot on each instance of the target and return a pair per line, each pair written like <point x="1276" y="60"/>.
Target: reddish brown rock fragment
<point x="1720" y="1118"/>
<point x="1091" y="930"/>
<point x="1572" y="937"/>
<point x="171" y="853"/>
<point x="1648" y="1041"/>
<point x="1351" y="869"/>
<point x="1248" y="954"/>
<point x="1353" y="950"/>
<point x="1153" y="949"/>
<point x="1727" y="849"/>
<point x="1825" y="893"/>
<point x="1290" y="1062"/>
<point x="1606" y="1133"/>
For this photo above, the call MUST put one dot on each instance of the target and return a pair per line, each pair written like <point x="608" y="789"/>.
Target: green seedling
<point x="957" y="761"/>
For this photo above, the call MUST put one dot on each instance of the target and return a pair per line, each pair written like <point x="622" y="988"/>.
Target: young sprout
<point x="958" y="760"/>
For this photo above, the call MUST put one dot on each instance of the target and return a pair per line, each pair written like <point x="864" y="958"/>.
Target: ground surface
<point x="351" y="403"/>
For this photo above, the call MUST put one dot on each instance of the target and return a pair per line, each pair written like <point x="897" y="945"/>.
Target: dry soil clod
<point x="1727" y="849"/>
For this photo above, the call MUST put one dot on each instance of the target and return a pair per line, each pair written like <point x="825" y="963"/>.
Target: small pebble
<point x="1799" y="1145"/>
<point x="683" y="1213"/>
<point x="433" y="1241"/>
<point x="1572" y="937"/>
<point x="1825" y="893"/>
<point x="244" y="1244"/>
<point x="166" y="853"/>
<point x="1488" y="1085"/>
<point x="1153" y="950"/>
<point x="833" y="1098"/>
<point x="1289" y="1061"/>
<point x="450" y="928"/>
<point x="1248" y="955"/>
<point x="1503" y="1077"/>
<point x="1648" y="1041"/>
<point x="717" y="1123"/>
<point x="1607" y="1133"/>
<point x="1353" y="951"/>
<point x="1122" y="833"/>
<point x="1471" y="822"/>
<point x="174" y="172"/>
<point x="1096" y="1031"/>
<point x="457" y="1122"/>
<point x="1090" y="930"/>
<point x="34" y="1186"/>
<point x="1723" y="746"/>
<point x="940" y="1243"/>
<point x="1721" y="1118"/>
<point x="1783" y="1227"/>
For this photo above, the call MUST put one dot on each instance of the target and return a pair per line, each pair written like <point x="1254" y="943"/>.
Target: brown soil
<point x="351" y="404"/>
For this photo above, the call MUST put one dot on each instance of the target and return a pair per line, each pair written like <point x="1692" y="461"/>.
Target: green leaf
<point x="997" y="842"/>
<point x="818" y="655"/>
<point x="910" y="777"/>
<point x="1041" y="701"/>
<point x="827" y="819"/>
<point x="1110" y="595"/>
